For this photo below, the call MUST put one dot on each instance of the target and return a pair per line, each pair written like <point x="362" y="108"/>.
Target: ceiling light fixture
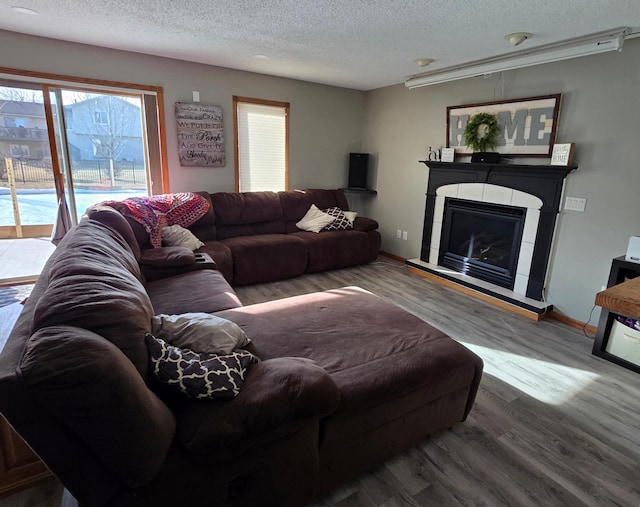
<point x="611" y="40"/>
<point x="24" y="10"/>
<point x="515" y="39"/>
<point x="423" y="62"/>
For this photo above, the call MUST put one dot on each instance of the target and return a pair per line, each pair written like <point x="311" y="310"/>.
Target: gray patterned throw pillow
<point x="341" y="221"/>
<point x="198" y="376"/>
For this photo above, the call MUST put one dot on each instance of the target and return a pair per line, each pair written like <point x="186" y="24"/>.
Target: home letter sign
<point x="527" y="126"/>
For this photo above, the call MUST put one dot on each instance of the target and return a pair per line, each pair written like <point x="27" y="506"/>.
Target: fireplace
<point x="482" y="240"/>
<point x="524" y="201"/>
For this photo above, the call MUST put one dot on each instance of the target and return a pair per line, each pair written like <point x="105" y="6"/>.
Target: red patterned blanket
<point x="158" y="211"/>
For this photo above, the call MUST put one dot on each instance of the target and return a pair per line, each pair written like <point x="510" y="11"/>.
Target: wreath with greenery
<point x="482" y="132"/>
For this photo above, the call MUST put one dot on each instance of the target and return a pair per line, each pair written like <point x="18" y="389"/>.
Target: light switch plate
<point x="575" y="203"/>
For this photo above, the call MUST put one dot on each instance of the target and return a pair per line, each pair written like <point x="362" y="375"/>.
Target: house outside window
<point x="261" y="144"/>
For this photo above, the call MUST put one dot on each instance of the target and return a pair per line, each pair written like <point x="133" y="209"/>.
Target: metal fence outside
<point x="85" y="173"/>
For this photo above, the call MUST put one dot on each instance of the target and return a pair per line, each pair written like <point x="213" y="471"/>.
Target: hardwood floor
<point x="552" y="424"/>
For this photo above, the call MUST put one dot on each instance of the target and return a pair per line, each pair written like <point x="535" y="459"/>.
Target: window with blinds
<point x="261" y="144"/>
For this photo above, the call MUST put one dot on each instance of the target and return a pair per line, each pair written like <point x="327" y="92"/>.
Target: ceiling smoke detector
<point x="423" y="62"/>
<point x="517" y="38"/>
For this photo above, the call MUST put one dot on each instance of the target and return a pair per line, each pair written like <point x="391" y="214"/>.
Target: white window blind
<point x="262" y="145"/>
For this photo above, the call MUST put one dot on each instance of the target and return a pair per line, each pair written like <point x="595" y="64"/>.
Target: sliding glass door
<point x="80" y="143"/>
<point x="102" y="153"/>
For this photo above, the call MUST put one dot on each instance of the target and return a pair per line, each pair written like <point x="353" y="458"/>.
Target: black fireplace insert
<point x="482" y="240"/>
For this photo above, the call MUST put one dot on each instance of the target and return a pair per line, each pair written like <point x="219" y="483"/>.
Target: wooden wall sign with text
<point x="528" y="126"/>
<point x="200" y="135"/>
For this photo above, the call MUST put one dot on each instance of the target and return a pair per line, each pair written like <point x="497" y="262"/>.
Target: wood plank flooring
<point x="552" y="424"/>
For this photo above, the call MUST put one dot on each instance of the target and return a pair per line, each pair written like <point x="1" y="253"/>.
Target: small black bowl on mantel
<point x="485" y="157"/>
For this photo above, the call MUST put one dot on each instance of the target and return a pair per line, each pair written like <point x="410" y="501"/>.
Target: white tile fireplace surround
<point x="492" y="194"/>
<point x="536" y="188"/>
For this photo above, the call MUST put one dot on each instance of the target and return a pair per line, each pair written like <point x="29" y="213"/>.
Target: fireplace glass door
<point x="482" y="240"/>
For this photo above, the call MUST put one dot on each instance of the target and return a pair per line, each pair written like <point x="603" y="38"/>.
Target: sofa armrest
<point x="365" y="224"/>
<point x="167" y="256"/>
<point x="156" y="263"/>
<point x="88" y="385"/>
<point x="276" y="394"/>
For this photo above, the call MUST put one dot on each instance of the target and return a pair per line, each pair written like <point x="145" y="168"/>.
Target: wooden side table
<point x="622" y="297"/>
<point x="20" y="467"/>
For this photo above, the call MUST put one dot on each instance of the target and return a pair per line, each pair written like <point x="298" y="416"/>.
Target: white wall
<point x="326" y="122"/>
<point x="600" y="114"/>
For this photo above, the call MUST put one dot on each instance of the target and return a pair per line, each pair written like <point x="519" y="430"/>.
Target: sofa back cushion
<point x="247" y="213"/>
<point x="238" y="208"/>
<point x="205" y="227"/>
<point x="94" y="283"/>
<point x="295" y="203"/>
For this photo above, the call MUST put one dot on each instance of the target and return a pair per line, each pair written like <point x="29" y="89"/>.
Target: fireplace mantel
<point x="543" y="181"/>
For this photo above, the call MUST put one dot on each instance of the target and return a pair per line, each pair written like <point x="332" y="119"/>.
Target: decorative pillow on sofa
<point x="200" y="332"/>
<point x="341" y="221"/>
<point x="176" y="235"/>
<point x="351" y="215"/>
<point x="198" y="376"/>
<point x="314" y="220"/>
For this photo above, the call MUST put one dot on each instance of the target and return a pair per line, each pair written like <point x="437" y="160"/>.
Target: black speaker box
<point x="487" y="157"/>
<point x="358" y="165"/>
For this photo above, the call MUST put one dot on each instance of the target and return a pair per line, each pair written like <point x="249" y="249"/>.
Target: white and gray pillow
<point x="200" y="332"/>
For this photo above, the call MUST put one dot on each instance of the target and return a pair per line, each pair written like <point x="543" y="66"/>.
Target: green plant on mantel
<point x="482" y="132"/>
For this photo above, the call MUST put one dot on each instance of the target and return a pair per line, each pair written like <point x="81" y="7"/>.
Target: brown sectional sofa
<point x="346" y="380"/>
<point x="253" y="237"/>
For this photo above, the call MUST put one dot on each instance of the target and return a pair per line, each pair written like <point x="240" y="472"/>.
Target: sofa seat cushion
<point x="335" y="249"/>
<point x="277" y="396"/>
<point x="204" y="290"/>
<point x="267" y="257"/>
<point x="375" y="352"/>
<point x="89" y="385"/>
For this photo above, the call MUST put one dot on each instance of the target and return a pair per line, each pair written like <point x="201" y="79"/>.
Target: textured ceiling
<point x="361" y="44"/>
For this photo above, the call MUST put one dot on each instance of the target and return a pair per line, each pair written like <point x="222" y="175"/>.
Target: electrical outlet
<point x="399" y="233"/>
<point x="575" y="203"/>
<point x="404" y="235"/>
